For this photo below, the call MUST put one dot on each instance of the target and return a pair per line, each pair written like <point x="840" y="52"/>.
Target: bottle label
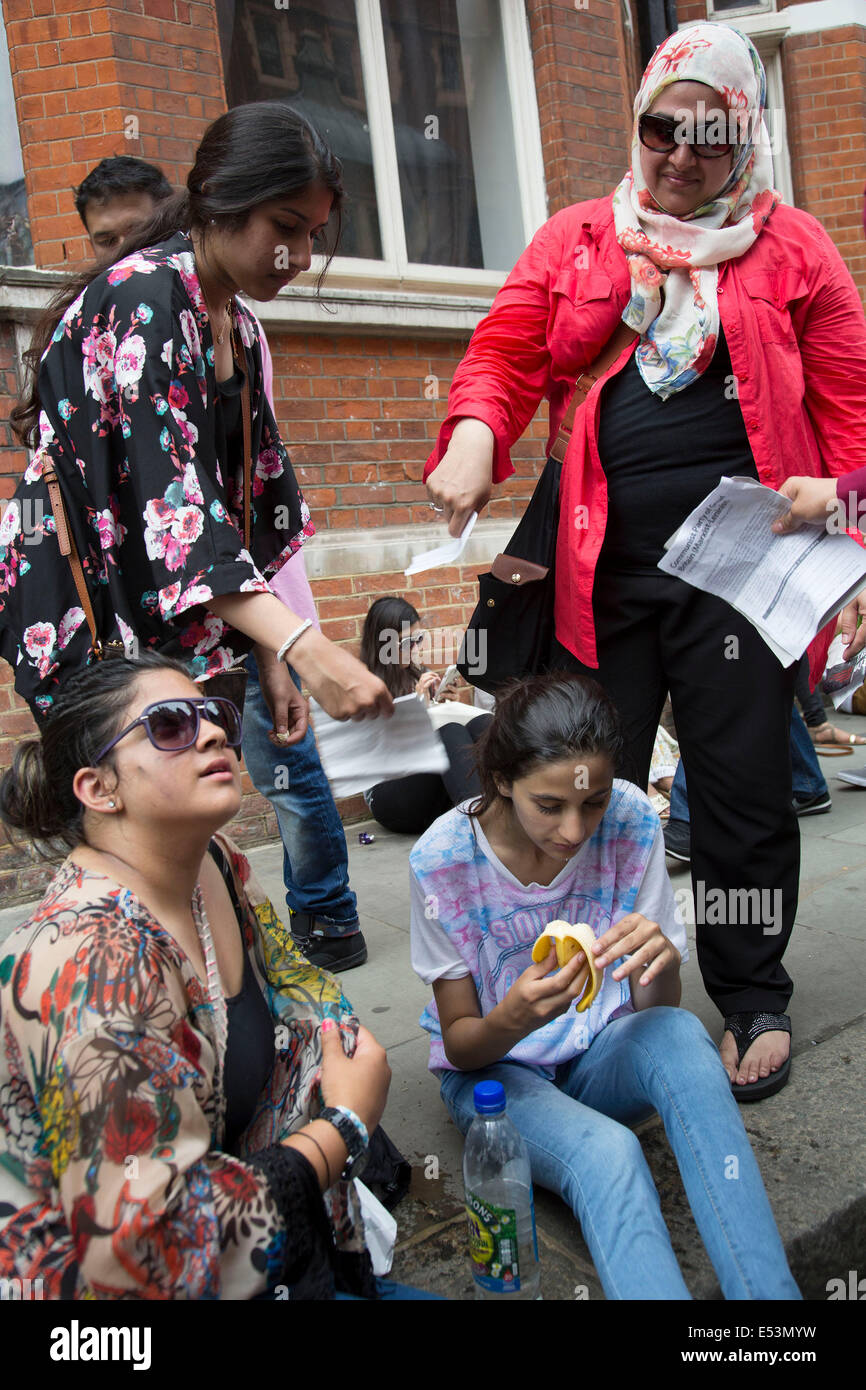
<point x="493" y="1245"/>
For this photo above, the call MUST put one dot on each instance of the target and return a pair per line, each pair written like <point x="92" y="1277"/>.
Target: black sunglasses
<point x="663" y="134"/>
<point x="172" y="725"/>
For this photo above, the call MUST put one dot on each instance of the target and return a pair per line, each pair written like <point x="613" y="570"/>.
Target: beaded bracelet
<point x="289" y="642"/>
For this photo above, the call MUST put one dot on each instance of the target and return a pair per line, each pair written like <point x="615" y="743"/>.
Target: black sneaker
<point x="812" y="805"/>
<point x="678" y="840"/>
<point x="332" y="953"/>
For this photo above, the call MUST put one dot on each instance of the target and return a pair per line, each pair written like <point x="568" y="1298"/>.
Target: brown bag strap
<point x="68" y="548"/>
<point x="246" y="412"/>
<point x="623" y="335"/>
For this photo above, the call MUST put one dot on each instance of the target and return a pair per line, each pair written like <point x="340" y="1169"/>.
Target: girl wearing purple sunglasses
<point x="184" y="1099"/>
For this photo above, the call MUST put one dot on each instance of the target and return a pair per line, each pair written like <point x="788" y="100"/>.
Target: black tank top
<point x="250" y="1041"/>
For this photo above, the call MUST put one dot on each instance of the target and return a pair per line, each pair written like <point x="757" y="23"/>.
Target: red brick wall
<point x="825" y="91"/>
<point x="139" y="77"/>
<point x="355" y="416"/>
<point x="584" y="98"/>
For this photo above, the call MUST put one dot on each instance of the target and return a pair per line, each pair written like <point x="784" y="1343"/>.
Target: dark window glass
<point x="16" y="247"/>
<point x="310" y="57"/>
<point x="454" y="133"/>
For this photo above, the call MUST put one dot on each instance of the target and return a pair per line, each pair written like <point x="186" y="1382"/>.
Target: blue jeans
<point x="315" y="857"/>
<point x="807" y="779"/>
<point x="575" y="1127"/>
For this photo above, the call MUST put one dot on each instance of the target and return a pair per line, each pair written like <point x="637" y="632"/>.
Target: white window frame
<point x="767" y="30"/>
<point x="731" y="16"/>
<point x="395" y="268"/>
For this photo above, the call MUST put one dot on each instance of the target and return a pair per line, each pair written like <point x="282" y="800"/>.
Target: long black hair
<point x="544" y="720"/>
<point x="387" y="623"/>
<point x="250" y="155"/>
<point x="36" y="793"/>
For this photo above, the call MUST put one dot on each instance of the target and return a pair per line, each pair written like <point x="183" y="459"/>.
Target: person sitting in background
<point x="391" y="644"/>
<point x="665" y="761"/>
<point x="165" y="1128"/>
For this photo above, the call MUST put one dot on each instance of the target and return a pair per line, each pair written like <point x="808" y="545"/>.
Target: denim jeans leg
<point x="679" y="809"/>
<point x="807" y="779"/>
<point x="664" y="1058"/>
<point x="597" y="1167"/>
<point x="315" y="857"/>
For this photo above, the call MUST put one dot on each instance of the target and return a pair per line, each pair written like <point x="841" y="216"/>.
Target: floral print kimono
<point x="133" y="422"/>
<point x="113" y="1182"/>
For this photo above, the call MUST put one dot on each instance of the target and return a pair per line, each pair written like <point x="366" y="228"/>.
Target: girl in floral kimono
<point x="139" y="405"/>
<point x="183" y="1098"/>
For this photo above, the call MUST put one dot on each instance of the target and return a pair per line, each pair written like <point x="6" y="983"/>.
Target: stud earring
<point x="112" y="804"/>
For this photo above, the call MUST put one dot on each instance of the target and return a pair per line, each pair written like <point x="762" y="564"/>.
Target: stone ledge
<point x="388" y="549"/>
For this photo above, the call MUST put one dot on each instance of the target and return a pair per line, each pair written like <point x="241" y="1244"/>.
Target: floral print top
<point x="113" y="1181"/>
<point x="131" y="420"/>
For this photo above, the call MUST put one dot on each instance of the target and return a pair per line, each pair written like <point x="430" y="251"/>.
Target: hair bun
<point x="28" y="802"/>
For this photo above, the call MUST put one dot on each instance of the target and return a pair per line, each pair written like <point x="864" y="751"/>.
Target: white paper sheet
<point x="447" y="554"/>
<point x="787" y="586"/>
<point x="357" y="756"/>
<point x="452" y="712"/>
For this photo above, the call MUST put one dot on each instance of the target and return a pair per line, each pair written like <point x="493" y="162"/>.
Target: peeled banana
<point x="571" y="937"/>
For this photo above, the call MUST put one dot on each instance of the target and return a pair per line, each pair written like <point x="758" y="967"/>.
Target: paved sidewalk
<point x="810" y="1139"/>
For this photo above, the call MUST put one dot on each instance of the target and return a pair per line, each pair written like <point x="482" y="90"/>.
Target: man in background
<point x="118" y="195"/>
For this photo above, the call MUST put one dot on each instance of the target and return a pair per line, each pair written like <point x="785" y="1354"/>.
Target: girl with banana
<point x="589" y="1045"/>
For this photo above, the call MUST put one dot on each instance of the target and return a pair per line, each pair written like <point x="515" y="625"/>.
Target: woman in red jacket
<point x="751" y="346"/>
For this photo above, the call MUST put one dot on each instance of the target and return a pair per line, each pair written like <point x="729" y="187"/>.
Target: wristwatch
<point x="353" y="1133"/>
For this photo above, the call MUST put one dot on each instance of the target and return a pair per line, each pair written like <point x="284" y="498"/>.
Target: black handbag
<point x="512" y="629"/>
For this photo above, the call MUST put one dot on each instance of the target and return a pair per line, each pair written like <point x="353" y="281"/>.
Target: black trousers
<point x="409" y="805"/>
<point x="732" y="703"/>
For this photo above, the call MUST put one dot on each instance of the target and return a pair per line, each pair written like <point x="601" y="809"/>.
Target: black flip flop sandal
<point x="746" y="1027"/>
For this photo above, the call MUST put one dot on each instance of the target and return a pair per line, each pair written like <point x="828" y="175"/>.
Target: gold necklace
<point x="222" y="331"/>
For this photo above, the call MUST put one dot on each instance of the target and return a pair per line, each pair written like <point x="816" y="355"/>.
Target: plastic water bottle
<point x="502" y="1242"/>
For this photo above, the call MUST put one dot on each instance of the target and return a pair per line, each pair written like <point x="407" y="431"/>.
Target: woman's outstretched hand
<point x="360" y="1082"/>
<point x="812" y="499"/>
<point x="462" y="481"/>
<point x="342" y="685"/>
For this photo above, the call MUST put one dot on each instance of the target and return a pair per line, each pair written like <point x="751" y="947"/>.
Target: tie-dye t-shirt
<point x="471" y="916"/>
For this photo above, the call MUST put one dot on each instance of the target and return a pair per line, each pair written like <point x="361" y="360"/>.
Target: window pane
<point x="16" y="248"/>
<point x="454" y="133"/>
<point x="721" y="6"/>
<point x="311" y="58"/>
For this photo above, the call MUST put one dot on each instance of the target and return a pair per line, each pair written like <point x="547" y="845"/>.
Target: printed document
<point x="787" y="586"/>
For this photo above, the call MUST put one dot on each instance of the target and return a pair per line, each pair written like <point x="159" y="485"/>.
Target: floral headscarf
<point x="674" y="261"/>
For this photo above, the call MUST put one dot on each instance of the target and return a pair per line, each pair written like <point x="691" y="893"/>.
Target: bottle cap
<point x="489" y="1097"/>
